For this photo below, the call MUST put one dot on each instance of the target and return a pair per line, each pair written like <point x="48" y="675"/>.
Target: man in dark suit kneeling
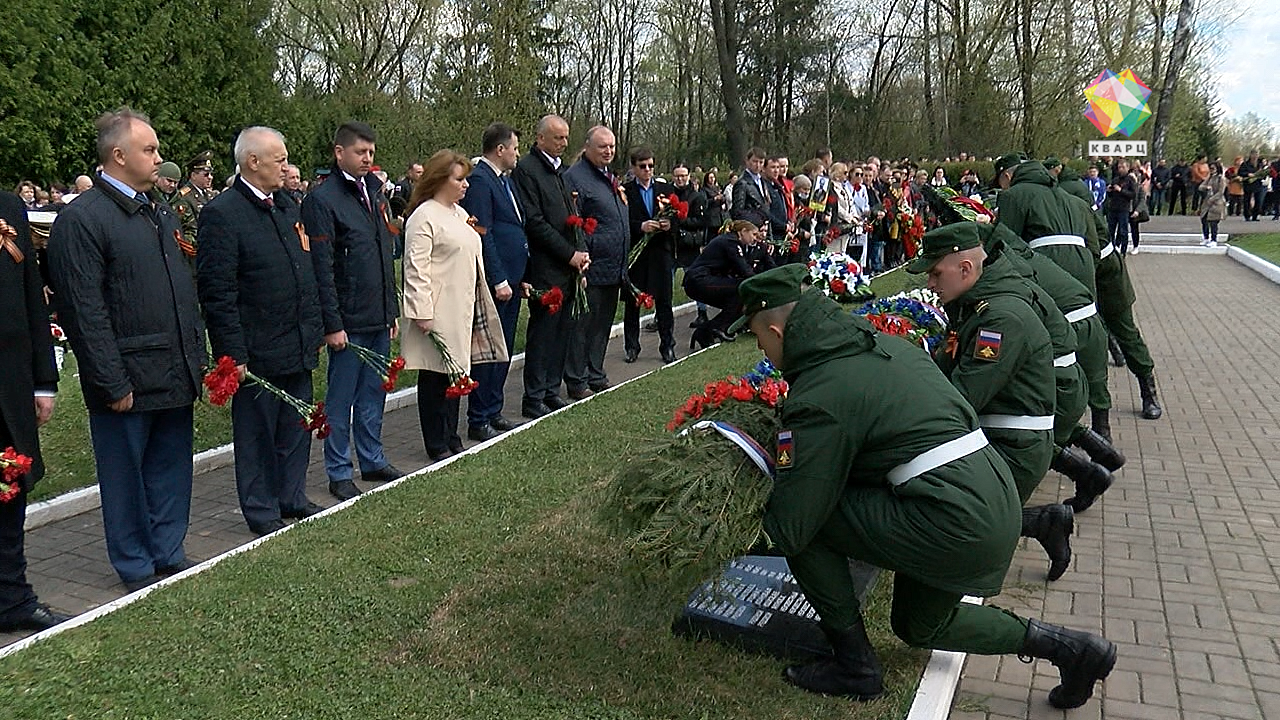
<point x="257" y="285"/>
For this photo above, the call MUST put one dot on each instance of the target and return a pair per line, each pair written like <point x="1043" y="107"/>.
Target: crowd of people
<point x="147" y="272"/>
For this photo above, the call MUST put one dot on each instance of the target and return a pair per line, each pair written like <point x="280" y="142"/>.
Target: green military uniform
<point x="881" y="459"/>
<point x="1040" y="216"/>
<point x="190" y="200"/>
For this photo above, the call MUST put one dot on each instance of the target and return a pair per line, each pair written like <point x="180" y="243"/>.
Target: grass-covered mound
<point x="486" y="589"/>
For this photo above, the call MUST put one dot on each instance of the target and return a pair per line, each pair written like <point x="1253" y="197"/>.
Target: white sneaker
<point x="1204" y="242"/>
<point x="1212" y="244"/>
<point x="1134" y="251"/>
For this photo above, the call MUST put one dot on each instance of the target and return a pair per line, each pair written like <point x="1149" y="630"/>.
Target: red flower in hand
<point x="222" y="381"/>
<point x="644" y="300"/>
<point x="15" y="464"/>
<point x="573" y="221"/>
<point x="589" y="225"/>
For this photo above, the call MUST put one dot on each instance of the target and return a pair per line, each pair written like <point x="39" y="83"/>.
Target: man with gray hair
<point x="128" y="304"/>
<point x="258" y="289"/>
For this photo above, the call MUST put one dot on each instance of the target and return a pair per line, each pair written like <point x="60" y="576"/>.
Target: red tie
<point x="270" y="201"/>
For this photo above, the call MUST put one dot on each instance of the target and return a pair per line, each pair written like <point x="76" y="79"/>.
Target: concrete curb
<point x="939" y="681"/>
<point x="86" y="499"/>
<point x="1181" y="250"/>
<point x="1265" y="268"/>
<point x="133" y="597"/>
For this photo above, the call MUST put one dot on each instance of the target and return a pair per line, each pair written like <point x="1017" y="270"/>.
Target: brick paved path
<point x="1174" y="563"/>
<point x="67" y="559"/>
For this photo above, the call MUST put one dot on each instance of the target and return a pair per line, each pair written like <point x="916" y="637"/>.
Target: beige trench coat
<point x="444" y="282"/>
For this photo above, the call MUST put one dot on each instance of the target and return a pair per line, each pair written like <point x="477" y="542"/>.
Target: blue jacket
<point x="506" y="249"/>
<point x="600" y="197"/>
<point x="351" y="248"/>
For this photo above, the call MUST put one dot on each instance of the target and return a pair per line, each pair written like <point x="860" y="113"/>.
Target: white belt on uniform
<point x="1106" y="250"/>
<point x="932" y="459"/>
<point x="1016" y="422"/>
<point x="1057" y="240"/>
<point x="1065" y="361"/>
<point x="1083" y="313"/>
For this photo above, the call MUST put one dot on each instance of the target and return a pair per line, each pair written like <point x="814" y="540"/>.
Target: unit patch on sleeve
<point x="786" y="449"/>
<point x="988" y="345"/>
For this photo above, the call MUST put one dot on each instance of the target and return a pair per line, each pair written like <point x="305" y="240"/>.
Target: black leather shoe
<point x="481" y="433"/>
<point x="167" y="570"/>
<point x="386" y="473"/>
<point x="582" y="394"/>
<point x="555" y="402"/>
<point x="456" y="447"/>
<point x="39" y="618"/>
<point x="669" y="355"/>
<point x="343" y="489"/>
<point x="443" y="455"/>
<point x="723" y="336"/>
<point x="305" y="511"/>
<point x="266" y="528"/>
<point x="600" y="387"/>
<point x="502" y="424"/>
<point x="533" y="411"/>
<point x="631" y="356"/>
<point x="136" y="585"/>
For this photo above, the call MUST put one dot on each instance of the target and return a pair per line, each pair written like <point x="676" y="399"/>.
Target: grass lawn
<point x="1265" y="246"/>
<point x="483" y="590"/>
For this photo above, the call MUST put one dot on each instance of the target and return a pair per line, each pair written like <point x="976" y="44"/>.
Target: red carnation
<point x="222" y="381"/>
<point x="838" y="286"/>
<point x="589" y="225"/>
<point x="14" y="463"/>
<point x="573" y="221"/>
<point x="644" y="300"/>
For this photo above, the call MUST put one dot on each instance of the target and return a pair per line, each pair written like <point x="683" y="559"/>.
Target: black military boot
<point x="1051" y="526"/>
<point x="1091" y="479"/>
<point x="1082" y="659"/>
<point x="853" y="671"/>
<point x="1151" y="409"/>
<point x="1100" y="449"/>
<point x="1117" y="355"/>
<point x="1102" y="423"/>
<point x="700" y="319"/>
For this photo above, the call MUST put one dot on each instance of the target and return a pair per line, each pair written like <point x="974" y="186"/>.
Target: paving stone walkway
<point x="67" y="559"/>
<point x="1177" y="564"/>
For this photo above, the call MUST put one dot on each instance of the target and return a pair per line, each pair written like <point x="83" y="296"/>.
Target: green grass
<point x="483" y="590"/>
<point x="1265" y="246"/>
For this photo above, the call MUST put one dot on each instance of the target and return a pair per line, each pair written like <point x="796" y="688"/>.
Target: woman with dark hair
<point x="1214" y="206"/>
<point x="444" y="292"/>
<point x="714" y="216"/>
<point x="714" y="278"/>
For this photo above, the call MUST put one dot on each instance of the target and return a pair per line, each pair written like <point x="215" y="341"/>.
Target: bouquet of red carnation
<point x="223" y="381"/>
<point x="460" y="383"/>
<point x="642" y="299"/>
<point x="388" y="367"/>
<point x="552" y="299"/>
<point x="670" y="207"/>
<point x="582" y="227"/>
<point x="15" y="465"/>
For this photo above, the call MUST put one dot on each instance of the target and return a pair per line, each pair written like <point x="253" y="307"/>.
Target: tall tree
<point x="1177" y="58"/>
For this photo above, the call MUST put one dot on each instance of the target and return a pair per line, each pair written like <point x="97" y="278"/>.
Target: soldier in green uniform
<point x="885" y="462"/>
<point x="167" y="184"/>
<point x="192" y="196"/>
<point x="1000" y="357"/>
<point x="1028" y="205"/>
<point x="1115" y="299"/>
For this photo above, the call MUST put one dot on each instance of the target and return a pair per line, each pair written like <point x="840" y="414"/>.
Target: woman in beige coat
<point x="445" y="292"/>
<point x="1214" y="206"/>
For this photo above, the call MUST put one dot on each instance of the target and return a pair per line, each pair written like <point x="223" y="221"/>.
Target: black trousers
<point x="272" y="449"/>
<point x="590" y="340"/>
<point x="546" y="346"/>
<point x="1178" y="193"/>
<point x="654" y="273"/>
<point x="719" y="292"/>
<point x="437" y="414"/>
<point x="16" y="595"/>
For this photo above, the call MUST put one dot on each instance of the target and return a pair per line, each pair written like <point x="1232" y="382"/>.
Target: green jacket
<point x="1034" y="208"/>
<point x="1112" y="277"/>
<point x="861" y="404"/>
<point x="1067" y="292"/>
<point x="1069" y="180"/>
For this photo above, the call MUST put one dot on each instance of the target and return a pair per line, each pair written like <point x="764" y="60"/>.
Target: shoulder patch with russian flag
<point x="786" y="449"/>
<point x="988" y="345"/>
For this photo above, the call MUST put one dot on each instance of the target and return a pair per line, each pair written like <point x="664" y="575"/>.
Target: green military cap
<point x="941" y="242"/>
<point x="169" y="169"/>
<point x="1052" y="162"/>
<point x="1008" y="161"/>
<point x="770" y="289"/>
<point x="322" y="172"/>
<point x="203" y="161"/>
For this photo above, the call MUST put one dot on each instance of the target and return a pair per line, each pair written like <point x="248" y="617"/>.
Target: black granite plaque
<point x="756" y="604"/>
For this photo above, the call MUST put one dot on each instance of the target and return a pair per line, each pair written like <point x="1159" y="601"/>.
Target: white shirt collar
<point x="555" y="161"/>
<point x="492" y="166"/>
<point x="260" y="195"/>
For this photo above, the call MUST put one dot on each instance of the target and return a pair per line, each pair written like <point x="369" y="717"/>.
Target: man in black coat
<point x="557" y="256"/>
<point x="27" y="388"/>
<point x="126" y="298"/>
<point x="349" y="224"/>
<point x="750" y="194"/>
<point x="258" y="289"/>
<point x="654" y="269"/>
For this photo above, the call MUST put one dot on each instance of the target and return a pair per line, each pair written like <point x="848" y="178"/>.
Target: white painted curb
<point x="1263" y="267"/>
<point x="1146" y="249"/>
<point x="938" y="684"/>
<point x="86" y="499"/>
<point x="133" y="597"/>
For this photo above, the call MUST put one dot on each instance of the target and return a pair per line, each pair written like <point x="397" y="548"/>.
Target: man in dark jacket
<point x="1159" y="186"/>
<point x="653" y="271"/>
<point x="557" y="258"/>
<point x="258" y="289"/>
<point x="349" y="225"/>
<point x="128" y="304"/>
<point x="602" y="197"/>
<point x="27" y="388"/>
<point x="1120" y="197"/>
<point x="1178" y="179"/>
<point x="750" y="196"/>
<point x="491" y="200"/>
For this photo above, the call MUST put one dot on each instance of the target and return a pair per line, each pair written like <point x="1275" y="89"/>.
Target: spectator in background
<point x="293" y="184"/>
<point x="939" y="178"/>
<point x="1252" y="172"/>
<point x="1159" y="184"/>
<point x="969" y="184"/>
<point x="1235" y="189"/>
<point x="1139" y="214"/>
<point x="1096" y="185"/>
<point x="1119" y="204"/>
<point x="1196" y="176"/>
<point x="1214" y="207"/>
<point x="1179" y="176"/>
<point x="27" y="192"/>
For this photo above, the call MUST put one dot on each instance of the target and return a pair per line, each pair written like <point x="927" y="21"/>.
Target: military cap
<point x="770" y="289"/>
<point x="323" y="172"/>
<point x="941" y="242"/>
<point x="203" y="161"/>
<point x="1052" y="162"/>
<point x="1008" y="161"/>
<point x="169" y="169"/>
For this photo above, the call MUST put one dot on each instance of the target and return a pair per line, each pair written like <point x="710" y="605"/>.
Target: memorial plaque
<point x="756" y="605"/>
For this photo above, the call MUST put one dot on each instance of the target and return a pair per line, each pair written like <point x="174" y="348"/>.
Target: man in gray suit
<point x="750" y="197"/>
